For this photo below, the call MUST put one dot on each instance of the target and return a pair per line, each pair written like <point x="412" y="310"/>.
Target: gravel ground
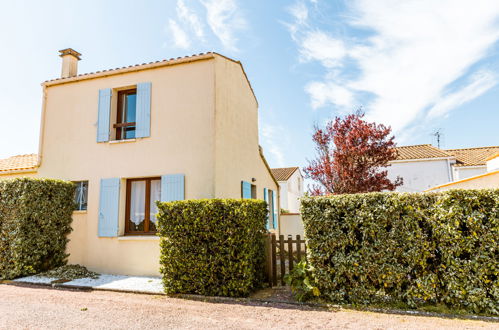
<point x="47" y="308"/>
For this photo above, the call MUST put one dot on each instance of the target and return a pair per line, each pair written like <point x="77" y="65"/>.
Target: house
<point x="291" y="186"/>
<point x="490" y="179"/>
<point x="425" y="166"/>
<point x="184" y="128"/>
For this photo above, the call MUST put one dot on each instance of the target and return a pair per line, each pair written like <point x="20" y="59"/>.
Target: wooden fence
<point x="281" y="256"/>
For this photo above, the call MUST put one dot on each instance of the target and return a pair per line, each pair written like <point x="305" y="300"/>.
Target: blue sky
<point x="415" y="65"/>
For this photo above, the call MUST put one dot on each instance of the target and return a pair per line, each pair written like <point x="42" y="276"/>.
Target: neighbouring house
<point x="291" y="186"/>
<point x="184" y="128"/>
<point x="425" y="166"/>
<point x="490" y="179"/>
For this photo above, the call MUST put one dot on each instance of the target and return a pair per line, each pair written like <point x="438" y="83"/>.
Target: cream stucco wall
<point x="181" y="141"/>
<point x="11" y="175"/>
<point x="204" y="124"/>
<point x="236" y="135"/>
<point x="484" y="181"/>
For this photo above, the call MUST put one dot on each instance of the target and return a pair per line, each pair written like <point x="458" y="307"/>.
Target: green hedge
<point x="212" y="247"/>
<point x="35" y="219"/>
<point x="413" y="248"/>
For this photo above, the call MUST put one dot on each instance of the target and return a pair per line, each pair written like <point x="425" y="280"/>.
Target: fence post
<point x="298" y="247"/>
<point x="274" y="259"/>
<point x="282" y="257"/>
<point x="268" y="258"/>
<point x="290" y="252"/>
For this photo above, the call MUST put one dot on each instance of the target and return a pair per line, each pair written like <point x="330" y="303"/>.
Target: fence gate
<point x="281" y="256"/>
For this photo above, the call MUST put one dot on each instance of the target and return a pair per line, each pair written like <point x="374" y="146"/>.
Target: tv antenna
<point x="439" y="135"/>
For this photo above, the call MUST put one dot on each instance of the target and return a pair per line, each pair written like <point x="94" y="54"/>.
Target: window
<point x="141" y="197"/>
<point x="126" y="114"/>
<point x="253" y="191"/>
<point x="248" y="190"/>
<point x="81" y="195"/>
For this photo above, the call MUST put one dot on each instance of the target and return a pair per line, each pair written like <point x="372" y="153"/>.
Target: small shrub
<point x="35" y="219"/>
<point x="212" y="247"/>
<point x="302" y="281"/>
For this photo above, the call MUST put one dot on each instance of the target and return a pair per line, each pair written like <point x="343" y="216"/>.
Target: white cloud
<point x="323" y="93"/>
<point x="180" y="37"/>
<point x="318" y="46"/>
<point x="416" y="50"/>
<point x="190" y="18"/>
<point x="481" y="82"/>
<point x="223" y="17"/>
<point x="225" y="20"/>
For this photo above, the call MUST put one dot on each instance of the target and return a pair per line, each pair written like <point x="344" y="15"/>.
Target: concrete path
<point x="138" y="284"/>
<point x="48" y="308"/>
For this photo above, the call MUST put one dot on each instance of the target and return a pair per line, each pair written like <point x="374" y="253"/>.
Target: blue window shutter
<point x="266" y="198"/>
<point x="246" y="189"/>
<point x="274" y="207"/>
<point x="143" y="118"/>
<point x="108" y="207"/>
<point x="104" y="114"/>
<point x="172" y="187"/>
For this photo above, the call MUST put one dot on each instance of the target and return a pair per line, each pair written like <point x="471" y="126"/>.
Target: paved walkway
<point x="48" y="308"/>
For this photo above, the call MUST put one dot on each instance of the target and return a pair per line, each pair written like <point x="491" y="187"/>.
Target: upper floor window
<point x="126" y="114"/>
<point x="81" y="195"/>
<point x="248" y="190"/>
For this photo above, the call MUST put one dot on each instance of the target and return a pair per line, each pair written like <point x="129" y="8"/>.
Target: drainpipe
<point x="42" y="126"/>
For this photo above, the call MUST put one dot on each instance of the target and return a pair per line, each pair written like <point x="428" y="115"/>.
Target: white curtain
<point x="138" y="202"/>
<point x="155" y="196"/>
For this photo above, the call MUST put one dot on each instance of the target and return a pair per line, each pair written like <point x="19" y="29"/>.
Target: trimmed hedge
<point x="35" y="219"/>
<point x="412" y="248"/>
<point x="212" y="247"/>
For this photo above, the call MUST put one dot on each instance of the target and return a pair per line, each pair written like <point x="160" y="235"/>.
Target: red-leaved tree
<point x="352" y="155"/>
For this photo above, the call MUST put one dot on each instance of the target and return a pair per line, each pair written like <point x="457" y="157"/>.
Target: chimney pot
<point x="70" y="58"/>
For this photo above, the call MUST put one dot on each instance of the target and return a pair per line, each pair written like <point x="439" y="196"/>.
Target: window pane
<point x="137" y="205"/>
<point x="81" y="195"/>
<point x="130" y="108"/>
<point x="155" y="196"/>
<point x="130" y="114"/>
<point x="130" y="132"/>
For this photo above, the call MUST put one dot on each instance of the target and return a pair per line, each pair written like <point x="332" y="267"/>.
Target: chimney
<point x="70" y="58"/>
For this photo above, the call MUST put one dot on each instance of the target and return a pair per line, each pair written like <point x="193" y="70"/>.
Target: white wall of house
<point x="291" y="192"/>
<point x="291" y="224"/>
<point x="493" y="164"/>
<point x="420" y="175"/>
<point x="463" y="172"/>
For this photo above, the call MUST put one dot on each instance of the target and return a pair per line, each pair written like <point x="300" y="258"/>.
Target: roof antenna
<point x="439" y="135"/>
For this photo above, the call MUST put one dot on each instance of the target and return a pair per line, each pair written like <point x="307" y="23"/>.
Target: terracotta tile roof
<point x="165" y="61"/>
<point x="421" y="151"/>
<point x="18" y="163"/>
<point x="473" y="156"/>
<point x="282" y="174"/>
